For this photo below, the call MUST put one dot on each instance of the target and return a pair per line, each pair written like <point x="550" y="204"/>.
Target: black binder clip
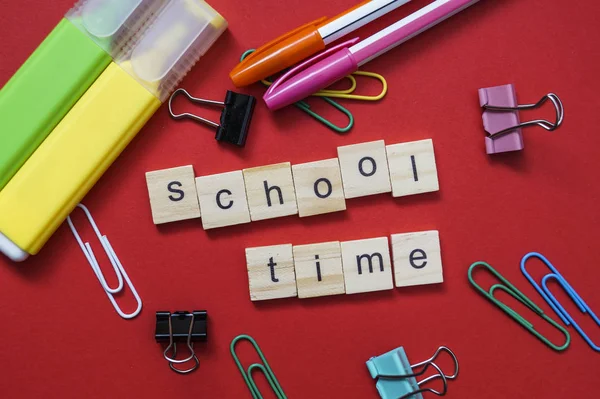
<point x="181" y="326"/>
<point x="235" y="117"/>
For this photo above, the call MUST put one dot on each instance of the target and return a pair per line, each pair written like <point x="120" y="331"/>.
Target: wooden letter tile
<point x="417" y="258"/>
<point x="222" y="199"/>
<point x="173" y="194"/>
<point x="367" y="265"/>
<point x="270" y="191"/>
<point x="271" y="272"/>
<point x="412" y="168"/>
<point x="364" y="169"/>
<point x="319" y="187"/>
<point x="319" y="269"/>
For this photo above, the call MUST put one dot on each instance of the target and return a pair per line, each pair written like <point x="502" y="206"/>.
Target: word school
<point x="283" y="189"/>
<point x="349" y="267"/>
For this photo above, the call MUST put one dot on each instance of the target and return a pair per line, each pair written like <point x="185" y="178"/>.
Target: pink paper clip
<point x="501" y="118"/>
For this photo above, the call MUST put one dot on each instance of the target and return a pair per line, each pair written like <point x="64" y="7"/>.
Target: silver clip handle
<point x="194" y="100"/>
<point x="558" y="106"/>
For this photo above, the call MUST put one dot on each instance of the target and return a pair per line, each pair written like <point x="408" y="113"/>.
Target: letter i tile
<point x="319" y="269"/>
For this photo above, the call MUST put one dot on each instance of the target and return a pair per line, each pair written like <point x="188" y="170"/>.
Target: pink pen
<point x="326" y="68"/>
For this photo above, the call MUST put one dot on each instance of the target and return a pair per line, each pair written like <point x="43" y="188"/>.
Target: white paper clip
<point x="114" y="260"/>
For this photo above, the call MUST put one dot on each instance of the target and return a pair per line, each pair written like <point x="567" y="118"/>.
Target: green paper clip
<point x="510" y="289"/>
<point x="264" y="367"/>
<point x="303" y="106"/>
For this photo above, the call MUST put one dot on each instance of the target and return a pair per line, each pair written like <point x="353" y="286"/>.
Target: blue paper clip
<point x="396" y="376"/>
<point x="553" y="302"/>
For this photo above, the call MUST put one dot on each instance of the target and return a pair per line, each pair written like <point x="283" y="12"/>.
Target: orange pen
<point x="307" y="40"/>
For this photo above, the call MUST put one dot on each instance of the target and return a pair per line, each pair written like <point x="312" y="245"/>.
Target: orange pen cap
<point x="279" y="54"/>
<point x="283" y="52"/>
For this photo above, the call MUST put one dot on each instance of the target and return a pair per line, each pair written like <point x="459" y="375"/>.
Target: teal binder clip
<point x="554" y="303"/>
<point x="396" y="377"/>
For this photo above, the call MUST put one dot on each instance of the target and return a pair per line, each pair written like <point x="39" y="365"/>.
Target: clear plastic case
<point x="172" y="43"/>
<point x="111" y="24"/>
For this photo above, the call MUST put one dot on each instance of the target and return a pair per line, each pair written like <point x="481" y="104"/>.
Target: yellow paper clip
<point x="264" y="368"/>
<point x="347" y="94"/>
<point x="327" y="96"/>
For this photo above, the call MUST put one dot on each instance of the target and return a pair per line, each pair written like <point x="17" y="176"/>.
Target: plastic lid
<point x="10" y="249"/>
<point x="112" y="23"/>
<point x="182" y="32"/>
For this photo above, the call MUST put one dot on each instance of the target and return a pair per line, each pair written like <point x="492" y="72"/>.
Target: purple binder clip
<point x="501" y="118"/>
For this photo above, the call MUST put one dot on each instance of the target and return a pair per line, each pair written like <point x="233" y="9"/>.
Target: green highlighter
<point x="60" y="70"/>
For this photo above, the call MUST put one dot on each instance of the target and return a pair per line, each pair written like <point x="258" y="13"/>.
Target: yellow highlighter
<point x="100" y="125"/>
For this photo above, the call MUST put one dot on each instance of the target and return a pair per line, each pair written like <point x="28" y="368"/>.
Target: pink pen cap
<point x="311" y="76"/>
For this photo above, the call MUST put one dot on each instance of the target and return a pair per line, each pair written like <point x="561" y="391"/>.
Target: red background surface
<point x="61" y="338"/>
